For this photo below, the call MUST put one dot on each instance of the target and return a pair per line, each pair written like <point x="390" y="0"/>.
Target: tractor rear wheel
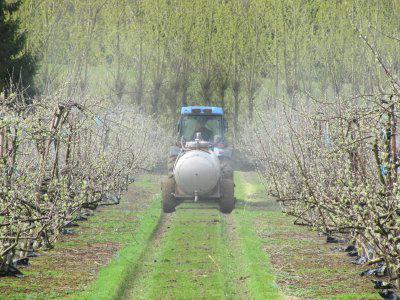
<point x="227" y="201"/>
<point x="226" y="169"/>
<point x="171" y="163"/>
<point x="168" y="198"/>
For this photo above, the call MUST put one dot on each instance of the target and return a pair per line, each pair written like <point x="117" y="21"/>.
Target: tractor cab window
<point x="208" y="126"/>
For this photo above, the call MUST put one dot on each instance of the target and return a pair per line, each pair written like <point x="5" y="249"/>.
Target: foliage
<point x="161" y="54"/>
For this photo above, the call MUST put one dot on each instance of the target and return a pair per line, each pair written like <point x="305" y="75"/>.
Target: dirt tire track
<point x="154" y="243"/>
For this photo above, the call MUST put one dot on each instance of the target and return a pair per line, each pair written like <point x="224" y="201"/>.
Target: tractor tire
<point x="226" y="170"/>
<point x="227" y="200"/>
<point x="168" y="200"/>
<point x="171" y="163"/>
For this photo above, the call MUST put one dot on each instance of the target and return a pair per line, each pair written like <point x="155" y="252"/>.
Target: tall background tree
<point x="158" y="55"/>
<point x="16" y="65"/>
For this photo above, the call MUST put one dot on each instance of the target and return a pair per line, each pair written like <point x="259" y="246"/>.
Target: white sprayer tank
<point x="197" y="171"/>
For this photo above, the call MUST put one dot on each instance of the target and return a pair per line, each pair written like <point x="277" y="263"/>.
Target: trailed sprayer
<point x="199" y="164"/>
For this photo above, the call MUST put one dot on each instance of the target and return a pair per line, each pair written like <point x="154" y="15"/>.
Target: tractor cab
<point x="206" y="120"/>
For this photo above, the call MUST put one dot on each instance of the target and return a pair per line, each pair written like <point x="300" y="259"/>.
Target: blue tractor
<point x="199" y="163"/>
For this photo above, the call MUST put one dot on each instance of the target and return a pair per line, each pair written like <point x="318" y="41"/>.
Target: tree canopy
<point x="162" y="54"/>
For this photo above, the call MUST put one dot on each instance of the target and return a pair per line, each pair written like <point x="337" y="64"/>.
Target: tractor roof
<point x="202" y="110"/>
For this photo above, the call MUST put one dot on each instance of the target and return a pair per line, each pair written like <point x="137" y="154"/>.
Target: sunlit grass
<point x="190" y="262"/>
<point x="112" y="279"/>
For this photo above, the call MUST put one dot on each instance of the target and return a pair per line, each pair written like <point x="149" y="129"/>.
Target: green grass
<point x="255" y="261"/>
<point x="246" y="189"/>
<point x="112" y="279"/>
<point x="262" y="280"/>
<point x="201" y="256"/>
<point x="197" y="255"/>
<point x="147" y="182"/>
<point x="191" y="260"/>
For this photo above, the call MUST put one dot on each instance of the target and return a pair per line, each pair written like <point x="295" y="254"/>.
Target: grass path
<point x="112" y="279"/>
<point x="188" y="261"/>
<point x="198" y="254"/>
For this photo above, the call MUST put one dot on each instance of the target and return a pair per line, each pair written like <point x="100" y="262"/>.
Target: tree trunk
<point x="236" y="95"/>
<point x="184" y="94"/>
<point x="139" y="83"/>
<point x="156" y="96"/>
<point x="222" y="93"/>
<point x="206" y="90"/>
<point x="250" y="100"/>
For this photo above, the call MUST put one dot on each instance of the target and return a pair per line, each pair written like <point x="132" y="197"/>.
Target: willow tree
<point x="205" y="29"/>
<point x="115" y="48"/>
<point x="138" y="52"/>
<point x="157" y="27"/>
<point x="186" y="46"/>
<point x="254" y="30"/>
<point x="238" y="43"/>
<point x="179" y="49"/>
<point x="223" y="51"/>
